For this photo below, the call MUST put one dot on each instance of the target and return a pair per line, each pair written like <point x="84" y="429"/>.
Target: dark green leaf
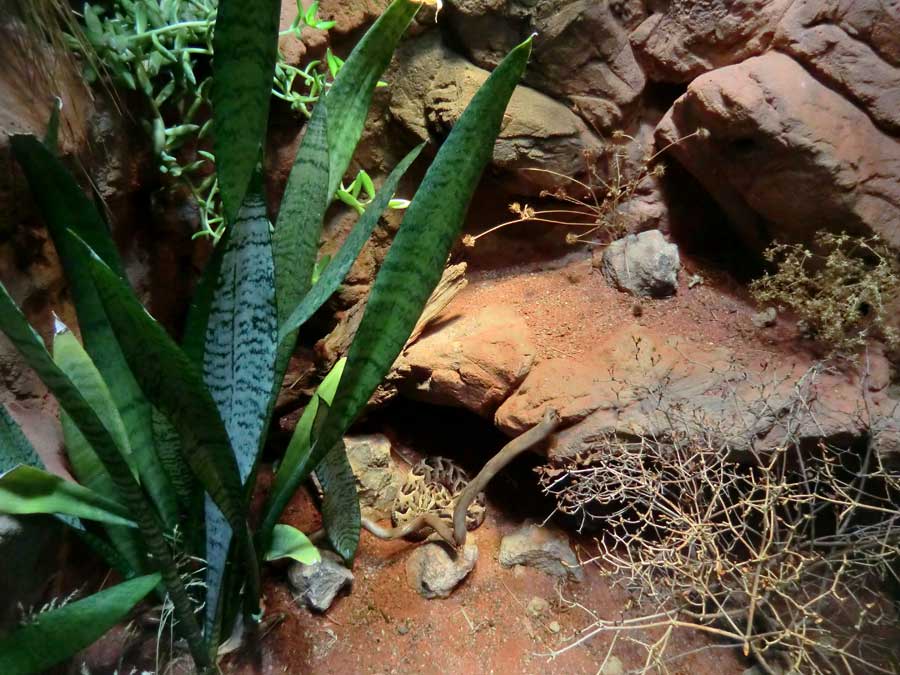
<point x="350" y="95"/>
<point x="172" y="382"/>
<point x="245" y="48"/>
<point x="337" y="269"/>
<point x="27" y="490"/>
<point x="341" y="515"/>
<point x="65" y="207"/>
<point x="299" y="227"/>
<point x="417" y="257"/>
<point x="55" y="635"/>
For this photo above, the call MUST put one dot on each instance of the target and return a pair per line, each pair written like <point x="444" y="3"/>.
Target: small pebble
<point x="537" y="606"/>
<point x="403" y="628"/>
<point x="554" y="627"/>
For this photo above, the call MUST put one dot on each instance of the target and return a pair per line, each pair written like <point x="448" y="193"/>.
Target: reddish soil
<point x="384" y="626"/>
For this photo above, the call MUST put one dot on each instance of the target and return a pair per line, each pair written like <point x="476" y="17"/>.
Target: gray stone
<point x="377" y="480"/>
<point x="433" y="570"/>
<point x="317" y="585"/>
<point x="766" y="318"/>
<point x="543" y="548"/>
<point x="582" y="55"/>
<point x="644" y="264"/>
<point x="430" y="87"/>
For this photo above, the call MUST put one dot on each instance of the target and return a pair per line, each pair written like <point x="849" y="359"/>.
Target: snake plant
<point x="164" y="437"/>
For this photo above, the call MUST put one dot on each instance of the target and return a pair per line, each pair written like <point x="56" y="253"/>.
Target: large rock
<point x="377" y="479"/>
<point x="474" y="361"/>
<point x="688" y="38"/>
<point x="852" y="46"/>
<point x="430" y="87"/>
<point x="786" y="156"/>
<point x="543" y="548"/>
<point x="433" y="570"/>
<point x="582" y="54"/>
<point x="317" y="585"/>
<point x="664" y="386"/>
<point x="643" y="264"/>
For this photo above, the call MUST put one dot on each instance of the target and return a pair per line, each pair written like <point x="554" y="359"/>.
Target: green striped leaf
<point x="417" y="257"/>
<point x="172" y="382"/>
<point x="289" y="474"/>
<point x="64" y="207"/>
<point x="193" y="342"/>
<point x="245" y="48"/>
<point x="350" y="96"/>
<point x="168" y="448"/>
<point x="239" y="357"/>
<point x="298" y="229"/>
<point x="31" y="347"/>
<point x="323" y="156"/>
<point x="337" y="269"/>
<point x="28" y="490"/>
<point x="341" y="514"/>
<point x="53" y="636"/>
<point x="239" y="360"/>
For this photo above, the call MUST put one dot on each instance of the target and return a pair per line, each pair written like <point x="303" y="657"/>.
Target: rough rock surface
<point x="544" y="548"/>
<point x="473" y="361"/>
<point x="582" y="55"/>
<point x="377" y="480"/>
<point x="317" y="585"/>
<point x="431" y="86"/>
<point x="688" y="38"/>
<point x="643" y="264"/>
<point x="852" y="46"/>
<point x="661" y="385"/>
<point x="433" y="570"/>
<point x="786" y="156"/>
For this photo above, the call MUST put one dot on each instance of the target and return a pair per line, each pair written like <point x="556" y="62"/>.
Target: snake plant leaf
<point x="245" y="48"/>
<point x="74" y="361"/>
<point x="287" y="477"/>
<point x="323" y="156"/>
<point x="289" y="542"/>
<point x="298" y="228"/>
<point x="86" y="466"/>
<point x="416" y="259"/>
<point x="53" y="636"/>
<point x="28" y="490"/>
<point x="172" y="382"/>
<point x="168" y="448"/>
<point x="350" y="96"/>
<point x="341" y="514"/>
<point x="31" y="347"/>
<point x="15" y="448"/>
<point x="337" y="269"/>
<point x="239" y="359"/>
<point x="64" y="207"/>
<point x="193" y="342"/>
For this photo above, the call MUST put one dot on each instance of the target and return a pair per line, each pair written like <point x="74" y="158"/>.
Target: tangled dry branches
<point x="787" y="552"/>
